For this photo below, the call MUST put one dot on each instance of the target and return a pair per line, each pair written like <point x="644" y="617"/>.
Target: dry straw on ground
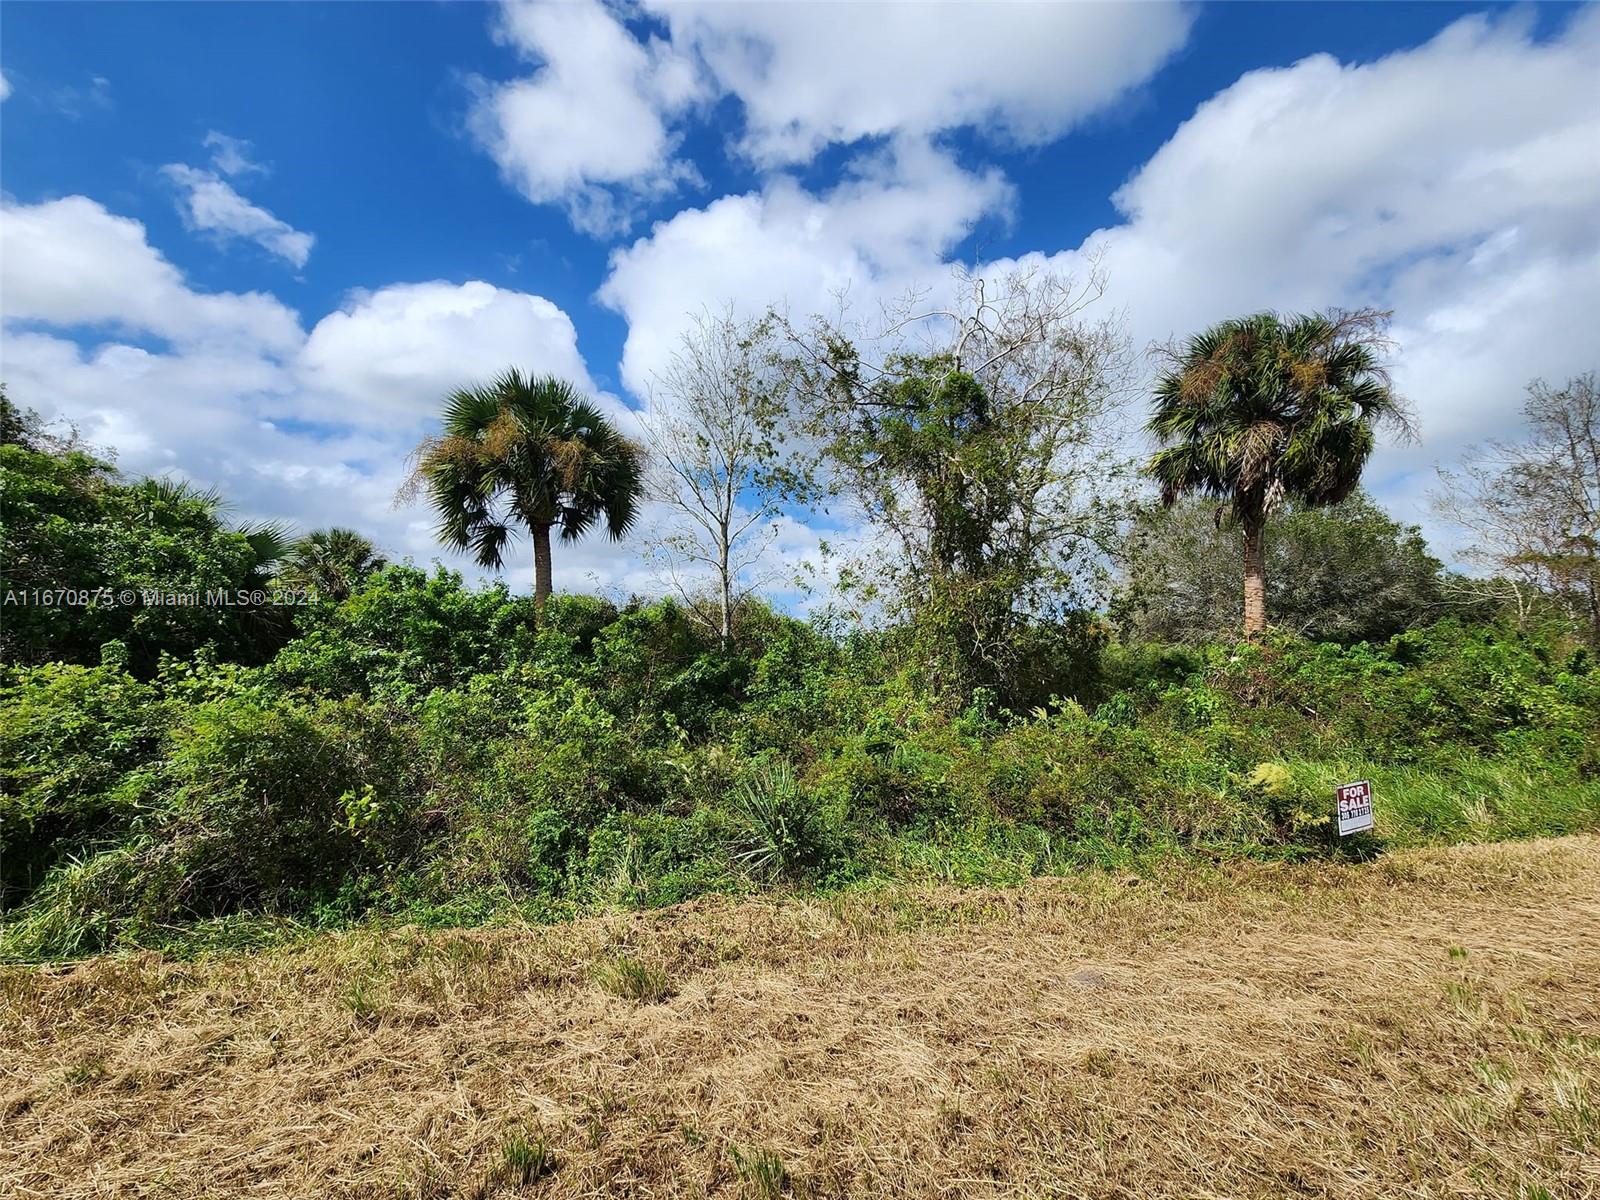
<point x="1428" y="1025"/>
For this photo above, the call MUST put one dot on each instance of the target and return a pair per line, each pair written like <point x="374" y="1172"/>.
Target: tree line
<point x="978" y="444"/>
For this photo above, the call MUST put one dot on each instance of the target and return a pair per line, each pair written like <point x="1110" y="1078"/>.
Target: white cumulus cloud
<point x="597" y="126"/>
<point x="588" y="128"/>
<point x="210" y="204"/>
<point x="882" y="229"/>
<point x="392" y="354"/>
<point x="813" y="74"/>
<point x="70" y="262"/>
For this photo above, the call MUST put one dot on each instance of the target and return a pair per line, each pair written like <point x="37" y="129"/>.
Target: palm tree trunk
<point x="1255" y="578"/>
<point x="541" y="566"/>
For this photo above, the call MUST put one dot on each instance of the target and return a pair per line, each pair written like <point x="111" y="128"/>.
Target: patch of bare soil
<point x="1427" y="1025"/>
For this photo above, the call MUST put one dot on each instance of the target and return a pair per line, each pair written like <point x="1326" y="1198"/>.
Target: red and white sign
<point x="1355" y="807"/>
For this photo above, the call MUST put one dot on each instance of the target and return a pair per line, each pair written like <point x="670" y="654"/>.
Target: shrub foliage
<point x="423" y="749"/>
<point x="409" y="747"/>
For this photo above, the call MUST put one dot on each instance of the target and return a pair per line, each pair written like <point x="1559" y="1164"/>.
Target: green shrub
<point x="77" y="746"/>
<point x="788" y="833"/>
<point x="405" y="633"/>
<point x="425" y="751"/>
<point x="280" y="801"/>
<point x="647" y="859"/>
<point x="73" y="522"/>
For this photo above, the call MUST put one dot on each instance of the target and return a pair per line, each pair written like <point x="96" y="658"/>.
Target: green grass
<point x="525" y="1158"/>
<point x="629" y="979"/>
<point x="1476" y="799"/>
<point x="1472" y="799"/>
<point x="763" y="1172"/>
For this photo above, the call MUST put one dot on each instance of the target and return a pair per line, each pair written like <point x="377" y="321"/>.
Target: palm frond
<point x="169" y="490"/>
<point x="270" y="541"/>
<point x="528" y="450"/>
<point x="1264" y="407"/>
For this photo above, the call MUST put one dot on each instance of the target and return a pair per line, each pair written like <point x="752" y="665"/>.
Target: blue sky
<point x="247" y="242"/>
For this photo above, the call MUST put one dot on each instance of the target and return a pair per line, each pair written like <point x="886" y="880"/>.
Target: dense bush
<point x="434" y="752"/>
<point x="1345" y="574"/>
<point x="71" y="522"/>
<point x="74" y="745"/>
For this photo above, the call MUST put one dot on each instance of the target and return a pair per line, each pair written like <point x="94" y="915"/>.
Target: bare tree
<point x="723" y="461"/>
<point x="1534" y="506"/>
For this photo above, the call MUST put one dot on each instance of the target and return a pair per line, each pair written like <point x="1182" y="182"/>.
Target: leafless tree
<point x="1533" y="507"/>
<point x="723" y="462"/>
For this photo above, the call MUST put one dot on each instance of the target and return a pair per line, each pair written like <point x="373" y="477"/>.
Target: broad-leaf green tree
<point x="88" y="557"/>
<point x="1263" y="409"/>
<point x="977" y="439"/>
<point x="529" y="452"/>
<point x="1346" y="573"/>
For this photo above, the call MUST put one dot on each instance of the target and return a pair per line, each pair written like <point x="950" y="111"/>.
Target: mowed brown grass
<point x="1426" y="1025"/>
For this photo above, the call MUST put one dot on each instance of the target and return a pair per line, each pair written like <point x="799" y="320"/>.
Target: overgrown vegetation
<point x="407" y="747"/>
<point x="424" y="750"/>
<point x="1347" y="573"/>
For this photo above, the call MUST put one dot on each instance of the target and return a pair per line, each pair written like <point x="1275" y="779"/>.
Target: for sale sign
<point x="1355" y="807"/>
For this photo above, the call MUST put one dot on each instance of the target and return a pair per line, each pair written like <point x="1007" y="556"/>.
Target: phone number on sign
<point x="153" y="598"/>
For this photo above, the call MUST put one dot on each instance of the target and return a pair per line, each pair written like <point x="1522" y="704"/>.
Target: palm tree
<point x="331" y="562"/>
<point x="531" y="452"/>
<point x="187" y="514"/>
<point x="1263" y="408"/>
<point x="160" y="498"/>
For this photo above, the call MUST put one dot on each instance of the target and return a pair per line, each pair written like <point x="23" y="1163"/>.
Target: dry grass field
<point x="1426" y="1025"/>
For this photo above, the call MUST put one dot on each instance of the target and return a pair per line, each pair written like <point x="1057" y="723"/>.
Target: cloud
<point x="810" y="75"/>
<point x="884" y="228"/>
<point x="5" y="87"/>
<point x="1473" y="150"/>
<point x="71" y="263"/>
<point x="231" y="155"/>
<point x="312" y="428"/>
<point x="392" y="354"/>
<point x="75" y="103"/>
<point x="1454" y="183"/>
<point x="593" y="128"/>
<point x="209" y="204"/>
<point x="192" y="397"/>
<point x="587" y="130"/>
